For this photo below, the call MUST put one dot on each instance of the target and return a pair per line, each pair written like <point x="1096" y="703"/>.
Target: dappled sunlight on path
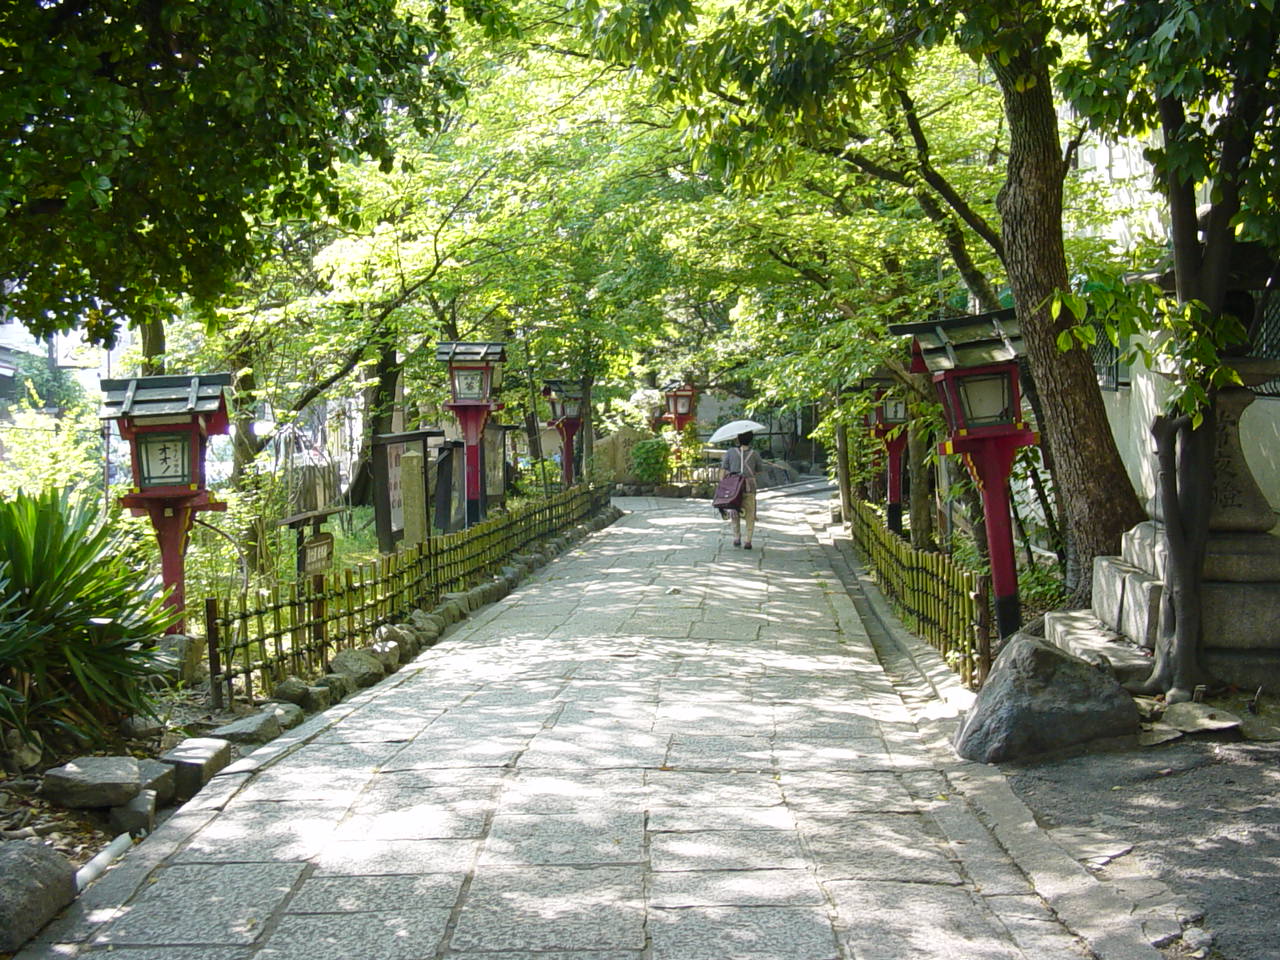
<point x="659" y="747"/>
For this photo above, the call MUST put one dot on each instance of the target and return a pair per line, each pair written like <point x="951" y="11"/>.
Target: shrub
<point x="76" y="620"/>
<point x="651" y="461"/>
<point x="536" y="477"/>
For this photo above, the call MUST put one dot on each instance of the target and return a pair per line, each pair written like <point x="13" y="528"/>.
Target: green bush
<point x="535" y="478"/>
<point x="651" y="461"/>
<point x="76" y="620"/>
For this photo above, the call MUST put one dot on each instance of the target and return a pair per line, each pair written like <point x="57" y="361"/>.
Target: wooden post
<point x="215" y="657"/>
<point x="414" y="494"/>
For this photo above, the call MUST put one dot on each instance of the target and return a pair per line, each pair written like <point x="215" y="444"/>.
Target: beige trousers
<point x="747" y="513"/>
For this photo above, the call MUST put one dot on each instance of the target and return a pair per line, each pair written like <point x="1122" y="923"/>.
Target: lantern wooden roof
<point x="166" y="396"/>
<point x="878" y="379"/>
<point x="452" y="351"/>
<point x="563" y="388"/>
<point x="960" y="342"/>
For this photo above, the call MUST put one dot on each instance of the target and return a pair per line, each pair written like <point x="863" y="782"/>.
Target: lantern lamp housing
<point x="164" y="459"/>
<point x="981" y="400"/>
<point x="891" y="410"/>
<point x="680" y="397"/>
<point x="565" y="398"/>
<point x="475" y="370"/>
<point x="168" y="421"/>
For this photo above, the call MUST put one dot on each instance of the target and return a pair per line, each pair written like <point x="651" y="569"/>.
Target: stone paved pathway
<point x="657" y="748"/>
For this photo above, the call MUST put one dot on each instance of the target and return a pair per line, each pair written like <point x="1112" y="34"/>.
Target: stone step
<point x="1126" y="598"/>
<point x="1233" y="557"/>
<point x="1143" y="547"/>
<point x="1082" y="634"/>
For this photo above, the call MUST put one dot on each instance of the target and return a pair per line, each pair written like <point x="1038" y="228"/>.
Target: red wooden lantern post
<point x="475" y="374"/>
<point x="565" y="398"/>
<point x="886" y="422"/>
<point x="974" y="365"/>
<point x="682" y="404"/>
<point x="891" y="414"/>
<point x="168" y="421"/>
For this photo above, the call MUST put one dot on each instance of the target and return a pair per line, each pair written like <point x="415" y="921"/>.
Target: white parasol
<point x="731" y="430"/>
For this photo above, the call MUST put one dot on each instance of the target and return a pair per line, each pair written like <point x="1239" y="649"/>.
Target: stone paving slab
<point x="193" y="904"/>
<point x="362" y="894"/>
<point x="283" y="830"/>
<point x="886" y="846"/>
<point x="890" y="921"/>
<point x="397" y="934"/>
<point x="380" y="857"/>
<point x="735" y="888"/>
<point x="549" y="908"/>
<point x="657" y="748"/>
<point x="584" y="837"/>
<point x="727" y="850"/>
<point x="743" y="933"/>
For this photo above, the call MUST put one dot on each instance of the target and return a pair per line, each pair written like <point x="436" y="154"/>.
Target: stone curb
<point x="103" y="899"/>
<point x="1104" y="918"/>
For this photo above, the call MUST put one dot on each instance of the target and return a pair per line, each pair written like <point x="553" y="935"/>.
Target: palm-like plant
<point x="76" y="621"/>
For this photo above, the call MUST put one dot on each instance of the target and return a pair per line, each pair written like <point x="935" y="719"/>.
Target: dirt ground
<point x="1203" y="815"/>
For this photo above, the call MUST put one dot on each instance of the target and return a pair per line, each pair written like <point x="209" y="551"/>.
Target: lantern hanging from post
<point x="886" y="420"/>
<point x="973" y="362"/>
<point x="168" y="421"/>
<point x="475" y="374"/>
<point x="681" y="399"/>
<point x="565" y="398"/>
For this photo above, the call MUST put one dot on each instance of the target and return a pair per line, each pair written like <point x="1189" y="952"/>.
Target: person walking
<point x="742" y="459"/>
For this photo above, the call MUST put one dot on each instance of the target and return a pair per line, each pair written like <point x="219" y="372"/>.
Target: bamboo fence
<point x="255" y="639"/>
<point x="936" y="598"/>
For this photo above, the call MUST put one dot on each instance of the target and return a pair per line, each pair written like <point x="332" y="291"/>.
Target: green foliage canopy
<point x="139" y="139"/>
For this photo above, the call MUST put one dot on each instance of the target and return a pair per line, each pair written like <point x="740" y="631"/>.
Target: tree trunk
<point x="1050" y="501"/>
<point x="1185" y="479"/>
<point x="380" y="400"/>
<point x="1098" y="499"/>
<point x="842" y="472"/>
<point x="153" y="347"/>
<point x="922" y="536"/>
<point x="588" y="428"/>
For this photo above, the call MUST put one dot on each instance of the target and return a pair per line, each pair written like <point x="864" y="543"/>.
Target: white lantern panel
<point x="987" y="400"/>
<point x="165" y="459"/>
<point x="468" y="384"/>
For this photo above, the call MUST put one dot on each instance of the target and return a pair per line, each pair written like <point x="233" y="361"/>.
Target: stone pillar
<point x="1239" y="505"/>
<point x="413" y="490"/>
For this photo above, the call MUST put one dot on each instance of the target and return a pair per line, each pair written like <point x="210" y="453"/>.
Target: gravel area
<point x="1203" y="815"/>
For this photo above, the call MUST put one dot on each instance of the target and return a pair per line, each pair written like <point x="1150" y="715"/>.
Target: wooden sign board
<point x="317" y="554"/>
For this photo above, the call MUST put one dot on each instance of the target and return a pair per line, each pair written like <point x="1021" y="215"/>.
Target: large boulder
<point x="35" y="883"/>
<point x="1039" y="699"/>
<point x="93" y="782"/>
<point x="360" y="666"/>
